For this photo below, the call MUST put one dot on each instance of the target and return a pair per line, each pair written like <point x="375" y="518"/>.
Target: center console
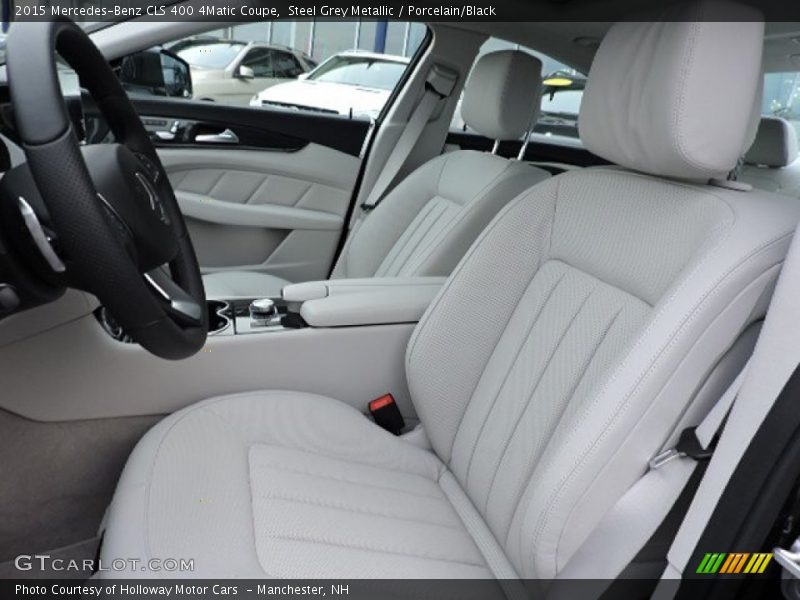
<point x="345" y="339"/>
<point x="245" y="316"/>
<point x="330" y="303"/>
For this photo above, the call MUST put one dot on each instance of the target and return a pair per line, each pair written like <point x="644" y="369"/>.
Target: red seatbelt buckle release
<point x="386" y="414"/>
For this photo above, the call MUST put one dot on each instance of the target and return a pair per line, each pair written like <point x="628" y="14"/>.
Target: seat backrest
<point x="771" y="162"/>
<point x="562" y="352"/>
<point x="429" y="220"/>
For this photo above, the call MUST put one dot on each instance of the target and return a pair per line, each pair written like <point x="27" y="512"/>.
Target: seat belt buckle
<point x="688" y="446"/>
<point x="386" y="414"/>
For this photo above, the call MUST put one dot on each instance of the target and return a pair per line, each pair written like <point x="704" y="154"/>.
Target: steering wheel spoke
<point x="179" y="302"/>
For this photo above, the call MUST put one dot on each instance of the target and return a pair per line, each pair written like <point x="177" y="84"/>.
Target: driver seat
<point x="555" y="363"/>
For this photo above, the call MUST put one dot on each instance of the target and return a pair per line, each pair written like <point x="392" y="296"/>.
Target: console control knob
<point x="263" y="310"/>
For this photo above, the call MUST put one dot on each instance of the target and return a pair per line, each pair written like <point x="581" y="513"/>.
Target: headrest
<point x="676" y="97"/>
<point x="503" y="94"/>
<point x="775" y="144"/>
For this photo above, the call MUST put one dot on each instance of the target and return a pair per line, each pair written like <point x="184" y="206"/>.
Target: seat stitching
<point x="511" y="364"/>
<point x="467" y="210"/>
<point x="398" y="249"/>
<point x="689" y="316"/>
<point x="479" y="242"/>
<point x="354" y="482"/>
<point x="371" y="548"/>
<point x="407" y="233"/>
<point x="418" y="236"/>
<point x="426" y="246"/>
<point x="349" y="460"/>
<point x="446" y="287"/>
<point x="533" y="392"/>
<point x="647" y="410"/>
<point x="571" y="393"/>
<point x="441" y="174"/>
<point x="191" y="411"/>
<point x="360" y="511"/>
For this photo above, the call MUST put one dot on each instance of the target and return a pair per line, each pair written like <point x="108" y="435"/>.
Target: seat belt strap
<point x="438" y="85"/>
<point x="631" y="522"/>
<point x="775" y="359"/>
<point x="696" y="442"/>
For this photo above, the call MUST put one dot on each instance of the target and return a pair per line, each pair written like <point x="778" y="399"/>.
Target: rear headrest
<point x="676" y="97"/>
<point x="775" y="144"/>
<point x="503" y="94"/>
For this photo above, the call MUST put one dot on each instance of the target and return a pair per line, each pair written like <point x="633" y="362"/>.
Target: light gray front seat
<point x="771" y="162"/>
<point x="556" y="361"/>
<point x="429" y="220"/>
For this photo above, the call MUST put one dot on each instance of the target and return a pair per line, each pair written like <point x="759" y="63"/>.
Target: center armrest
<point x="366" y="301"/>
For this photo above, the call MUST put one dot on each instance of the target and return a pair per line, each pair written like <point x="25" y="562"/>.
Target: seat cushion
<point x="262" y="485"/>
<point x="228" y="285"/>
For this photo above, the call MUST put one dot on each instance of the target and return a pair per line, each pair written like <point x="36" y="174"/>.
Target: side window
<point x="285" y="65"/>
<point x="260" y="60"/>
<point x="562" y="92"/>
<point x="360" y="63"/>
<point x="782" y="97"/>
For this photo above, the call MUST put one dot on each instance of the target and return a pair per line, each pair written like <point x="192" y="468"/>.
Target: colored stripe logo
<point x="734" y="563"/>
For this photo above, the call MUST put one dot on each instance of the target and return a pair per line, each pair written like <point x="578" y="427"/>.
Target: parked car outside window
<point x="232" y="71"/>
<point x="352" y="83"/>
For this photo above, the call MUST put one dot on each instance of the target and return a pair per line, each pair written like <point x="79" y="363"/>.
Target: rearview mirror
<point x="244" y="72"/>
<point x="156" y="72"/>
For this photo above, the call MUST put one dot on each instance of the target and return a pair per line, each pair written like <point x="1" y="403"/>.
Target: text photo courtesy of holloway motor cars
<point x="400" y="300"/>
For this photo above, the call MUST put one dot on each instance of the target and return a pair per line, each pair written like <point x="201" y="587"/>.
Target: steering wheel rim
<point x="109" y="251"/>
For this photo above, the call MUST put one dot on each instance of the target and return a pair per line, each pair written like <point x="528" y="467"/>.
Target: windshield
<point x="211" y="55"/>
<point x="361" y="71"/>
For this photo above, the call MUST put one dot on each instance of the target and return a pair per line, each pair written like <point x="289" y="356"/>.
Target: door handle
<point x="224" y="137"/>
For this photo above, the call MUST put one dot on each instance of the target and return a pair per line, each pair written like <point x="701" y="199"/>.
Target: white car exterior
<point x="352" y="83"/>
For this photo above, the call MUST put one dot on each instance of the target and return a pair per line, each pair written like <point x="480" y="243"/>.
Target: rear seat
<point x="771" y="162"/>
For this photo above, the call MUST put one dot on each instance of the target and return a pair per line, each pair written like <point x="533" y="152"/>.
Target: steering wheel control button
<point x="149" y="166"/>
<point x="40" y="238"/>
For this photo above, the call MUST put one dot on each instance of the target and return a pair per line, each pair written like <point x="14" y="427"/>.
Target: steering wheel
<point x="117" y="230"/>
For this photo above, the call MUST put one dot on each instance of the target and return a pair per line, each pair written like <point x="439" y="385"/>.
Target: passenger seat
<point x="771" y="162"/>
<point x="428" y="221"/>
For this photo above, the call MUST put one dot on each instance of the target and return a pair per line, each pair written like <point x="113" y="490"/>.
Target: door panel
<point x="273" y="211"/>
<point x="260" y="127"/>
<point x="273" y="198"/>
